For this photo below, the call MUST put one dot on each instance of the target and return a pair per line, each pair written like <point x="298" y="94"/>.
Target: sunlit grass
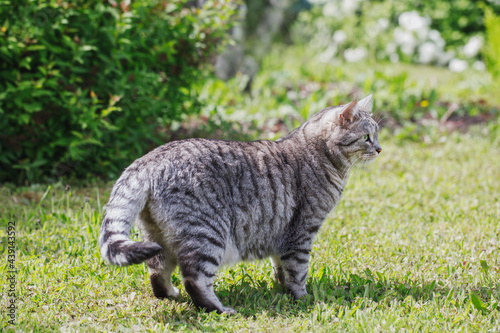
<point x="412" y="246"/>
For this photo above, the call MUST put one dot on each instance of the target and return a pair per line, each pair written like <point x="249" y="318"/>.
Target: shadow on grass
<point x="253" y="298"/>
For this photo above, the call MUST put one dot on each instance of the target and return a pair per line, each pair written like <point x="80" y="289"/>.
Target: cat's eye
<point x="366" y="137"/>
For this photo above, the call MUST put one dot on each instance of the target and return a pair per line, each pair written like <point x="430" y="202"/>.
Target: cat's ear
<point x="342" y="115"/>
<point x="347" y="113"/>
<point x="366" y="104"/>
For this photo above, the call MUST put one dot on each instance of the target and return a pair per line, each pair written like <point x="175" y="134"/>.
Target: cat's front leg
<point x="295" y="264"/>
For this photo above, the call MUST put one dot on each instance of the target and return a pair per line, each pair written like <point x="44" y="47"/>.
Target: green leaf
<point x="32" y="107"/>
<point x="32" y="165"/>
<point x="476" y="301"/>
<point x="41" y="92"/>
<point x="431" y="287"/>
<point x="484" y="265"/>
<point x="321" y="272"/>
<point x="450" y="295"/>
<point x="107" y="111"/>
<point x="36" y="47"/>
<point x="77" y="134"/>
<point x="25" y="63"/>
<point x="315" y="292"/>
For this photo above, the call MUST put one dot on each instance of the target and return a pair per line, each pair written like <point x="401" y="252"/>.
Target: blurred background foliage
<point x="88" y="86"/>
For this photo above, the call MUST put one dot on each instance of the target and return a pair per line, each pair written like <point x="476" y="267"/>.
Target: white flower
<point x="394" y="57"/>
<point x="349" y="6"/>
<point x="402" y="37"/>
<point x="339" y="37"/>
<point x="331" y="9"/>
<point x="427" y="52"/>
<point x="328" y="54"/>
<point x="457" y="65"/>
<point x="471" y="49"/>
<point x="423" y="33"/>
<point x="412" y="21"/>
<point x="355" y="55"/>
<point x="390" y="48"/>
<point x="479" y="66"/>
<point x="405" y="40"/>
<point x="292" y="95"/>
<point x="435" y="36"/>
<point x="383" y="23"/>
<point x="407" y="49"/>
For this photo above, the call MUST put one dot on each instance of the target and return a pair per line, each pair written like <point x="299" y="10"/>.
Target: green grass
<point x="412" y="246"/>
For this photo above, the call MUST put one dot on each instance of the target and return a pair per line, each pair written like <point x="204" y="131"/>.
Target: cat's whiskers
<point x="378" y="116"/>
<point x="351" y="168"/>
<point x="379" y="121"/>
<point x="347" y="168"/>
<point x="355" y="171"/>
<point x="358" y="170"/>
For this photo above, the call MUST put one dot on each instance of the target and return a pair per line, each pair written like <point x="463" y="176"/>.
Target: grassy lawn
<point x="412" y="246"/>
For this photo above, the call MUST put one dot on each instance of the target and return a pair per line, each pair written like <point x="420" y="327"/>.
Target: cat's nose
<point x="379" y="150"/>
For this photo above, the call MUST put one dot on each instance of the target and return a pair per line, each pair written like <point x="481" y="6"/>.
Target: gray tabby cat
<point x="203" y="203"/>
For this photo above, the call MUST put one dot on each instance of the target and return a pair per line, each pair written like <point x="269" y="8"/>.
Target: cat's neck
<point x="313" y="146"/>
<point x="332" y="164"/>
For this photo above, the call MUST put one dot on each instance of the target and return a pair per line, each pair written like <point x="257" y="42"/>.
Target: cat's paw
<point x="299" y="294"/>
<point x="229" y="311"/>
<point x="174" y="293"/>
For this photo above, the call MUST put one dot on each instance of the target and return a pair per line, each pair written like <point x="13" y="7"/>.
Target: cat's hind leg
<point x="162" y="265"/>
<point x="198" y="265"/>
<point x="160" y="269"/>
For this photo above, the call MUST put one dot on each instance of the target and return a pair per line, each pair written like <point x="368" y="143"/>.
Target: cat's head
<point x="350" y="130"/>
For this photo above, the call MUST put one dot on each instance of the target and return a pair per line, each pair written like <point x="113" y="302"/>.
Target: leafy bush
<point x="87" y="86"/>
<point x="492" y="23"/>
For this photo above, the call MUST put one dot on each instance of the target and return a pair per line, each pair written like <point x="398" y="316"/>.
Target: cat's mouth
<point x="368" y="158"/>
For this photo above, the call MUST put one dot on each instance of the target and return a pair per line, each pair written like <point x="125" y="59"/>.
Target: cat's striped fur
<point x="206" y="203"/>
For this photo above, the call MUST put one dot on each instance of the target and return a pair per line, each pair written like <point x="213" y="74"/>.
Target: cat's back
<point x="221" y="157"/>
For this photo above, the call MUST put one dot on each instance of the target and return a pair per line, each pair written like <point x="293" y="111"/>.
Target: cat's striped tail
<point x="127" y="200"/>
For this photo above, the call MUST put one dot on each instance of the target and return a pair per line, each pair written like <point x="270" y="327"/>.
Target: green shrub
<point x="492" y="23"/>
<point x="87" y="86"/>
